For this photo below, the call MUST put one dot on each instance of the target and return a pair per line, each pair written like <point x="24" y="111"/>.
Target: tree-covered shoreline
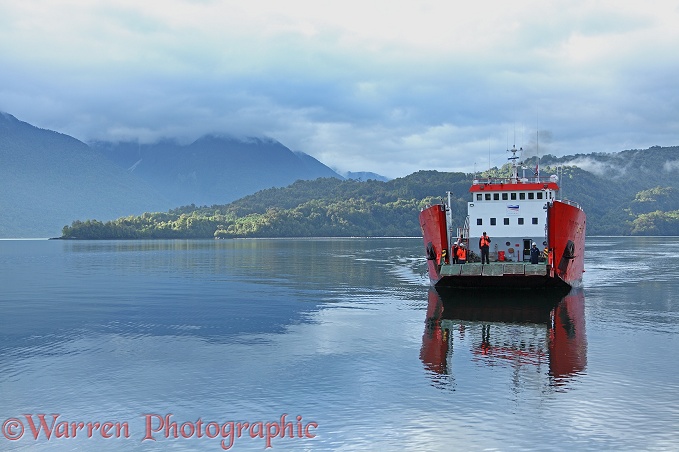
<point x="329" y="207"/>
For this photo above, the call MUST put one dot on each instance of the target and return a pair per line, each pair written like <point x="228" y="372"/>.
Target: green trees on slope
<point x="149" y="226"/>
<point x="329" y="207"/>
<point x="656" y="223"/>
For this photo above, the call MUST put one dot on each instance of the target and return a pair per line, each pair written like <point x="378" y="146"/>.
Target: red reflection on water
<point x="524" y="330"/>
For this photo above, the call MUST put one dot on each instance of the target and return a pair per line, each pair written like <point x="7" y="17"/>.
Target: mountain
<point x="365" y="175"/>
<point x="47" y="179"/>
<point x="316" y="167"/>
<point x="214" y="169"/>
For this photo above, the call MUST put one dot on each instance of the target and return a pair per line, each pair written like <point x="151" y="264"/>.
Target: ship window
<point x="479" y="222"/>
<point x="479" y="197"/>
<point x="531" y="195"/>
<point x="496" y="196"/>
<point x="487" y="196"/>
<point x="492" y="222"/>
<point x="520" y="220"/>
<point x="535" y="220"/>
<point x="506" y="221"/>
<point x="513" y="195"/>
<point x="522" y="196"/>
<point x="505" y="196"/>
<point x="539" y="195"/>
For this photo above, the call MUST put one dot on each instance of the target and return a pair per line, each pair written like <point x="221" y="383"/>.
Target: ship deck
<point x="495" y="269"/>
<point x="499" y="275"/>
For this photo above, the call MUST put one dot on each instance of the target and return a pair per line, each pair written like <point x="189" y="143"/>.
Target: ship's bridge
<point x="511" y="207"/>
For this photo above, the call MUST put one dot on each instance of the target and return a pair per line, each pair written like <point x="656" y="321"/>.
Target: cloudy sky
<point x="382" y="85"/>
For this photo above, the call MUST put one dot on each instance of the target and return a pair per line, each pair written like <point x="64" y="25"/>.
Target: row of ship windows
<point x="493" y="221"/>
<point x="512" y="196"/>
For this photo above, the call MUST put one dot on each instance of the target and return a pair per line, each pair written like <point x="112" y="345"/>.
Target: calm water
<point x="343" y="337"/>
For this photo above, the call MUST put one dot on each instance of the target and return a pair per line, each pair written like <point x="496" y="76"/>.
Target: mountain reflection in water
<point x="527" y="333"/>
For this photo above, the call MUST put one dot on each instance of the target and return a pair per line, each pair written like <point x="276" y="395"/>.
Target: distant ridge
<point x="365" y="175"/>
<point x="214" y="169"/>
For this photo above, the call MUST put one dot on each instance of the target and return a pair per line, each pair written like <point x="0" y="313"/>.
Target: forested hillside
<point x="642" y="202"/>
<point x="324" y="207"/>
<point x="632" y="192"/>
<point x="47" y="179"/>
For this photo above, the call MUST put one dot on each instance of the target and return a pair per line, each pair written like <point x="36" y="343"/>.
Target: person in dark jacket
<point x="534" y="254"/>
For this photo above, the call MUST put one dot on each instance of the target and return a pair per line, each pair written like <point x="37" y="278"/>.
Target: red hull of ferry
<point x="565" y="236"/>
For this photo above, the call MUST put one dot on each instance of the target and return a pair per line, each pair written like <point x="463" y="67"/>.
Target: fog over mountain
<point x="638" y="166"/>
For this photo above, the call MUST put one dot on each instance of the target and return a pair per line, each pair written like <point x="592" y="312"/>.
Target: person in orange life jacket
<point x="461" y="254"/>
<point x="456" y="246"/>
<point x="484" y="244"/>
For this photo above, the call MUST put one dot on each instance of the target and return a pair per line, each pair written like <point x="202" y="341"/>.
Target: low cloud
<point x="598" y="168"/>
<point x="671" y="166"/>
<point x="339" y="82"/>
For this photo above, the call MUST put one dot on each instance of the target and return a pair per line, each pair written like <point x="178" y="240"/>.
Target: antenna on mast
<point x="537" y="145"/>
<point x="488" y="156"/>
<point x="537" y="138"/>
<point x="537" y="165"/>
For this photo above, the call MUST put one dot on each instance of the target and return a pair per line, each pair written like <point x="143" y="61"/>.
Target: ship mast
<point x="449" y="217"/>
<point x="513" y="159"/>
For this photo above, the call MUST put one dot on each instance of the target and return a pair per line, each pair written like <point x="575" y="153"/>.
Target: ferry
<point x="517" y="215"/>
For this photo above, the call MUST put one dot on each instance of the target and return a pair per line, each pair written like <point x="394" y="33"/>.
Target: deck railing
<point x="571" y="203"/>
<point x="464" y="230"/>
<point x="508" y="179"/>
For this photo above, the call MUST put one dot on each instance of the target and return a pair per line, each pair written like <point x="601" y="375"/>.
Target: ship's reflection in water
<point x="541" y="334"/>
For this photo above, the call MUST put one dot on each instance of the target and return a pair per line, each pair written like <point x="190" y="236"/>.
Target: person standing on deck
<point x="484" y="245"/>
<point x="461" y="254"/>
<point x="456" y="246"/>
<point x="534" y="254"/>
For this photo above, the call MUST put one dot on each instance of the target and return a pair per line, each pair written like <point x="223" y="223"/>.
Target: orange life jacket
<point x="462" y="254"/>
<point x="485" y="241"/>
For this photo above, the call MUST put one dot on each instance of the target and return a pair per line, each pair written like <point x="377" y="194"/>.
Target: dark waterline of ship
<point x="338" y="343"/>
